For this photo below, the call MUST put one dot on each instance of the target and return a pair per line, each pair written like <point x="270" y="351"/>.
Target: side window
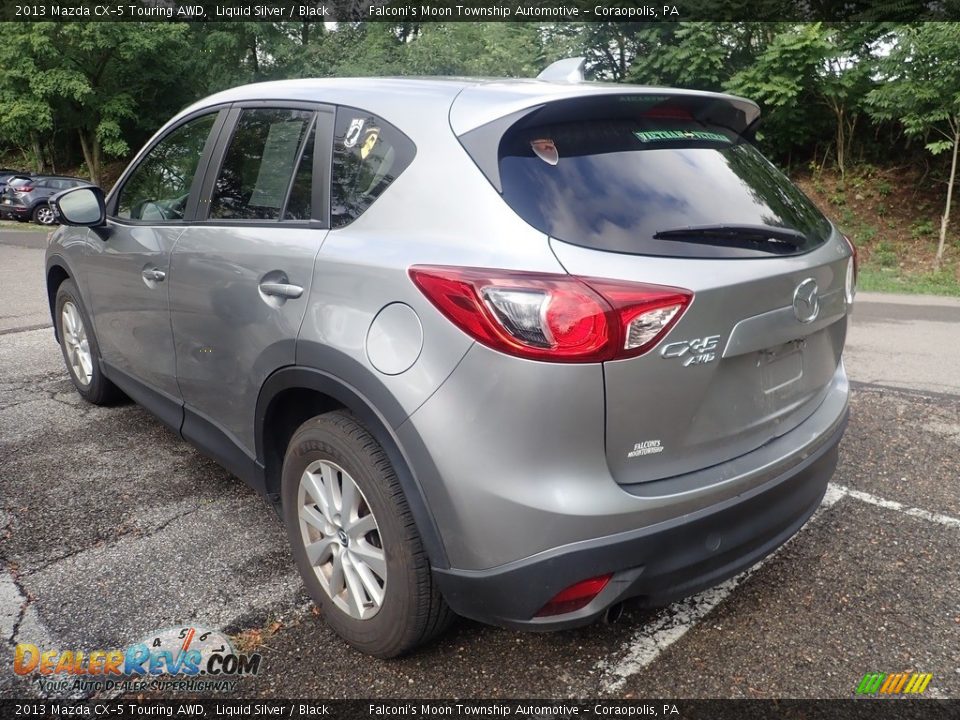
<point x="368" y="155"/>
<point x="259" y="165"/>
<point x="159" y="187"/>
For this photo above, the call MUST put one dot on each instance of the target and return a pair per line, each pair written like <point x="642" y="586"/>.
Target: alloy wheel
<point x="342" y="539"/>
<point x="45" y="215"/>
<point x="76" y="343"/>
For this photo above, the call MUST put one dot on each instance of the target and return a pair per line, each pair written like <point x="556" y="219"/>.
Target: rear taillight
<point x="853" y="269"/>
<point x="574" y="597"/>
<point x="558" y="318"/>
<point x="24" y="189"/>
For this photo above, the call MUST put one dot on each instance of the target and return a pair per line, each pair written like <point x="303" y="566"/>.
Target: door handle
<point x="154" y="275"/>
<point x="281" y="290"/>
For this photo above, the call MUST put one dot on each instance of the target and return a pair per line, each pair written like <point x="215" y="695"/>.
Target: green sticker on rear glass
<point x="654" y="135"/>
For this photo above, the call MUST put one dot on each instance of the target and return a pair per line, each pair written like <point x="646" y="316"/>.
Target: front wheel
<point x="79" y="346"/>
<point x="354" y="539"/>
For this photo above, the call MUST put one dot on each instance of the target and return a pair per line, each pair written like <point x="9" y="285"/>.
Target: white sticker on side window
<point x="373" y="134"/>
<point x="353" y="133"/>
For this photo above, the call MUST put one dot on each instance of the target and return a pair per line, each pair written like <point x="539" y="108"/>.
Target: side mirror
<point x="81" y="207"/>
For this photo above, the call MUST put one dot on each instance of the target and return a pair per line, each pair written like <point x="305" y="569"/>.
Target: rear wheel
<point x="354" y="539"/>
<point x="79" y="346"/>
<point x="43" y="215"/>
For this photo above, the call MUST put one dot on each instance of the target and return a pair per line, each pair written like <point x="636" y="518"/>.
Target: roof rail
<point x="568" y="70"/>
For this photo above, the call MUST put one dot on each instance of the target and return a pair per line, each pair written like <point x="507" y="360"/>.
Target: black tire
<point x="99" y="390"/>
<point x="43" y="215"/>
<point x="412" y="611"/>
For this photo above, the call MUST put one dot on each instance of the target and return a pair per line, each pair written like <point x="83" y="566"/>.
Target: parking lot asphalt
<point x="112" y="528"/>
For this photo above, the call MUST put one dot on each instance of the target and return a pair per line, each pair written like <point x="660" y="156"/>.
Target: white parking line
<point x="673" y="622"/>
<point x="945" y="520"/>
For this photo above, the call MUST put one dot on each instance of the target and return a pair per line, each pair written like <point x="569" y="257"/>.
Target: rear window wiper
<point x="761" y="237"/>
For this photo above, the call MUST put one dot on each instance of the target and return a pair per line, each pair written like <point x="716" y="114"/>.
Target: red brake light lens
<point x="575" y="597"/>
<point x="558" y="318"/>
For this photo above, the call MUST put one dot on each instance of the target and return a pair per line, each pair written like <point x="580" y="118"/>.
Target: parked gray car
<point x="518" y="350"/>
<point x="28" y="197"/>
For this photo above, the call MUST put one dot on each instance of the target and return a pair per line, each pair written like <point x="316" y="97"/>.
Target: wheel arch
<point x="57" y="273"/>
<point x="294" y="394"/>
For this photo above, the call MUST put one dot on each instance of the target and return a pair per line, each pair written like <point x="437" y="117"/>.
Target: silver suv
<point x="513" y="350"/>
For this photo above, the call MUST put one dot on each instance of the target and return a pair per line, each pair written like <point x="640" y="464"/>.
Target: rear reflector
<point x="557" y="318"/>
<point x="575" y="597"/>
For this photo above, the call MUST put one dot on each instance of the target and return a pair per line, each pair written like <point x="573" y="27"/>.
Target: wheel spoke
<point x="354" y="586"/>
<point x="332" y="482"/>
<point x="371" y="556"/>
<point x="360" y="527"/>
<point x="319" y="552"/>
<point x="336" y="574"/>
<point x="370" y="583"/>
<point x="86" y="362"/>
<point x="314" y="485"/>
<point x="313" y="517"/>
<point x="349" y="499"/>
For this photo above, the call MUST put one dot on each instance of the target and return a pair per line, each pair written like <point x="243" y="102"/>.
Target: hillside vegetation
<point x="865" y="115"/>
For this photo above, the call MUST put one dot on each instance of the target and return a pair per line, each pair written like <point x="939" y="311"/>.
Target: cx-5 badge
<point x="698" y="351"/>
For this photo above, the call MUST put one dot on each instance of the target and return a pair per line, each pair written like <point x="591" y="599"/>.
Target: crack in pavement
<point x="132" y="531"/>
<point x="27" y="599"/>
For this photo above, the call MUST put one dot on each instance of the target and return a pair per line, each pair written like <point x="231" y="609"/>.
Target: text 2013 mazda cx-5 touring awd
<point x="514" y="350"/>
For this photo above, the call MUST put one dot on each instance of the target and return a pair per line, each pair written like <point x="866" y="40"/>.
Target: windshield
<point x="658" y="186"/>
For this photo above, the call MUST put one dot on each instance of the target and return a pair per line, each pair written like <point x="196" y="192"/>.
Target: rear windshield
<point x="655" y="186"/>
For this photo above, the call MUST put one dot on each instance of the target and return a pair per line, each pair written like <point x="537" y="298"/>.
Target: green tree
<point x="25" y="114"/>
<point x="511" y="49"/>
<point x="784" y="79"/>
<point x="921" y="88"/>
<point x="806" y="68"/>
<point x="692" y="55"/>
<point x="109" y="81"/>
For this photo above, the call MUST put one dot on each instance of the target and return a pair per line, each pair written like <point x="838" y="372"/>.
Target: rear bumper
<point x="15" y="210"/>
<point x="655" y="564"/>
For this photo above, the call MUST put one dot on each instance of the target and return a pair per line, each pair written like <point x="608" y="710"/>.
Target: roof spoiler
<point x="568" y="70"/>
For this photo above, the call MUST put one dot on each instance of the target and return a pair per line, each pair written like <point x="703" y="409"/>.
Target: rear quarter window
<point x="368" y="155"/>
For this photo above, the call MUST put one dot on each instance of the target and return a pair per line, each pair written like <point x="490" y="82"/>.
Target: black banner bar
<point x="872" y="709"/>
<point x="474" y="10"/>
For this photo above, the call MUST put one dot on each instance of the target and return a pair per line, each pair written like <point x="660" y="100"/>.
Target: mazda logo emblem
<point x="806" y="301"/>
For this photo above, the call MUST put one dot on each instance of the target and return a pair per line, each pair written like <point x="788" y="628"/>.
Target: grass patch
<point x="877" y="278"/>
<point x="27" y="226"/>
